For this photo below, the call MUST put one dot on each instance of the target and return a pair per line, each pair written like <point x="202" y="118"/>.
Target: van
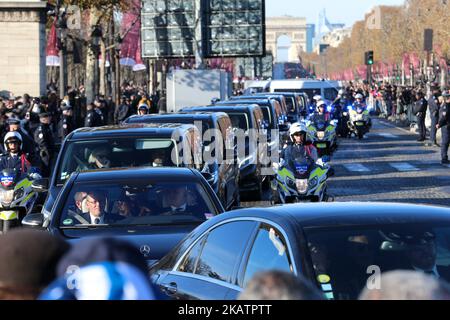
<point x="327" y="89"/>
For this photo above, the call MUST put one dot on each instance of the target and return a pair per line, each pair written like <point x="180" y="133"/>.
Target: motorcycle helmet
<point x="341" y="92"/>
<point x="359" y="96"/>
<point x="317" y="97"/>
<point x="321" y="103"/>
<point x="11" y="136"/>
<point x="297" y="128"/>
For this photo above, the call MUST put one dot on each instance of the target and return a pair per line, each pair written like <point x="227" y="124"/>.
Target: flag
<point x="132" y="38"/>
<point x="52" y="50"/>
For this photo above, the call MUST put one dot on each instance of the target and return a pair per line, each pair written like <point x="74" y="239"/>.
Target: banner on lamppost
<point x="131" y="27"/>
<point x="52" y="50"/>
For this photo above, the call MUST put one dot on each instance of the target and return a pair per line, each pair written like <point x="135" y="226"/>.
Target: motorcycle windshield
<point x="302" y="168"/>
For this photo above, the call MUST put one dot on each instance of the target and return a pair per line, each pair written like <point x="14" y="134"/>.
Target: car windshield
<point x="136" y="203"/>
<point x="115" y="153"/>
<point x="345" y="260"/>
<point x="266" y="114"/>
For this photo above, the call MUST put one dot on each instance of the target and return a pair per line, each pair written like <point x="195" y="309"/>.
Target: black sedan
<point x="339" y="247"/>
<point x="152" y="207"/>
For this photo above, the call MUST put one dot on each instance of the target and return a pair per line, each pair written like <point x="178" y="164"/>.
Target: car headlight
<point x="302" y="185"/>
<point x="320" y="134"/>
<point x="313" y="182"/>
<point x="6" y="197"/>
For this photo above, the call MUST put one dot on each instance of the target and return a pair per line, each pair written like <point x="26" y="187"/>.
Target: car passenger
<point x="100" y="158"/>
<point x="176" y="203"/>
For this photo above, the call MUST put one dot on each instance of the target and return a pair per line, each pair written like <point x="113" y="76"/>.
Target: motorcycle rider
<point x="15" y="158"/>
<point x="359" y="101"/>
<point x="300" y="147"/>
<point x="321" y="113"/>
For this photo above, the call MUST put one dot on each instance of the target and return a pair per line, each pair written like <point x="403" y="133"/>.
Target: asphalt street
<point x="388" y="165"/>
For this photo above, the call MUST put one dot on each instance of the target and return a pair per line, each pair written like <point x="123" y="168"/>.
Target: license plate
<point x="360" y="123"/>
<point x="321" y="145"/>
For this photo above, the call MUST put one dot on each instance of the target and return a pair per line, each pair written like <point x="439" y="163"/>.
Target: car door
<point x="268" y="251"/>
<point x="209" y="267"/>
<point x="227" y="169"/>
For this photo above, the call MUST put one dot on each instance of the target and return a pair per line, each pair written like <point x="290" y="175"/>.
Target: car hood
<point x="153" y="242"/>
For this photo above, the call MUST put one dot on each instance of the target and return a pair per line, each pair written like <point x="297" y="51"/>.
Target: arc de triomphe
<point x="294" y="28"/>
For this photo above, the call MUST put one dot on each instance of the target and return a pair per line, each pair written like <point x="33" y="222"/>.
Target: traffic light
<point x="369" y="58"/>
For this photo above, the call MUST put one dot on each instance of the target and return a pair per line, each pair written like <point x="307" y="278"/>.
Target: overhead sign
<point x="168" y="28"/>
<point x="235" y="28"/>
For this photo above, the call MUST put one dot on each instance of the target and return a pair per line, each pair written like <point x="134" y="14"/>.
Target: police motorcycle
<point x="301" y="179"/>
<point x="340" y="114"/>
<point x="359" y="123"/>
<point x="17" y="198"/>
<point x="322" y="132"/>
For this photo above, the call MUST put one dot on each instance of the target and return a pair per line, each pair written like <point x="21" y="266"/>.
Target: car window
<point x="204" y="124"/>
<point x="136" y="203"/>
<point x="115" y="153"/>
<point x="221" y="251"/>
<point x="344" y="259"/>
<point x="191" y="259"/>
<point x="239" y="120"/>
<point x="269" y="252"/>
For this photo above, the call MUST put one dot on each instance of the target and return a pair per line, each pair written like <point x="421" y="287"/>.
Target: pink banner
<point x="132" y="39"/>
<point x="52" y="50"/>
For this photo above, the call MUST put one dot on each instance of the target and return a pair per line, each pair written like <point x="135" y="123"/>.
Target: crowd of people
<point x="37" y="265"/>
<point x="32" y="128"/>
<point x="410" y="104"/>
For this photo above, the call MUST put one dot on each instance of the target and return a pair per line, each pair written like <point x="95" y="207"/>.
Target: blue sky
<point x="338" y="11"/>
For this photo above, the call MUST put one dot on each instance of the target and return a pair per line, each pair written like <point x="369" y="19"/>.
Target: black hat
<point x="28" y="258"/>
<point x="44" y="114"/>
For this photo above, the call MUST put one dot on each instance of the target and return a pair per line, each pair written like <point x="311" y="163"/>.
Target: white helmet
<point x="317" y="97"/>
<point x="297" y="127"/>
<point x="359" y="96"/>
<point x="341" y="92"/>
<point x="12" y="135"/>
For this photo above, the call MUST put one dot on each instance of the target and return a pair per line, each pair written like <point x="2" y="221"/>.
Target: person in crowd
<point x="434" y="105"/>
<point x="279" y="285"/>
<point x="28" y="262"/>
<point x="66" y="124"/>
<point x="123" y="111"/>
<point x="102" y="269"/>
<point x="44" y="139"/>
<point x="407" y="285"/>
<point x="444" y="125"/>
<point x="94" y="117"/>
<point x="420" y="110"/>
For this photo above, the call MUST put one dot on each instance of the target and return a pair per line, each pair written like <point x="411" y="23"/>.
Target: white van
<point x="327" y="89"/>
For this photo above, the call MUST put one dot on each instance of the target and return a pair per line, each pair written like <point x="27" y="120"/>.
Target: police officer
<point x="434" y="105"/>
<point x="66" y="124"/>
<point x="28" y="146"/>
<point x="444" y="124"/>
<point x="43" y="136"/>
<point x="94" y="116"/>
<point x="420" y="110"/>
<point x="15" y="158"/>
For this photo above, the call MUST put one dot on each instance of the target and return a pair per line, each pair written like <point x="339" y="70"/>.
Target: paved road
<point x="387" y="165"/>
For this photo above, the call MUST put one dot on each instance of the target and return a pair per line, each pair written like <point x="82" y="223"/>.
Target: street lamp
<point x="96" y="37"/>
<point x="62" y="36"/>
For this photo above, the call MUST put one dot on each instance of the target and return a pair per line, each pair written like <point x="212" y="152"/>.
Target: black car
<point x="225" y="174"/>
<point x="337" y="246"/>
<point x="275" y="96"/>
<point x="295" y="102"/>
<point x="122" y="146"/>
<point x="151" y="207"/>
<point x="249" y="120"/>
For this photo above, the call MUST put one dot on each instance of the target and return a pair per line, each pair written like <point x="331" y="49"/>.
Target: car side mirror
<point x="40" y="185"/>
<point x="33" y="220"/>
